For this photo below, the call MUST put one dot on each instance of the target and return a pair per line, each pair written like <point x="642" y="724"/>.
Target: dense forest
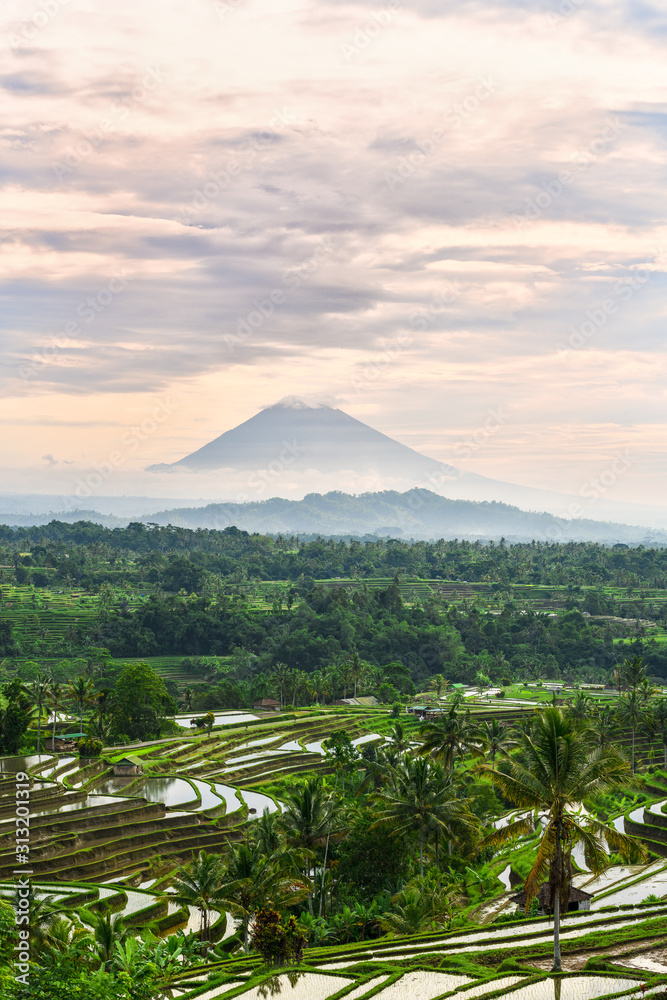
<point x="87" y="553"/>
<point x="173" y="591"/>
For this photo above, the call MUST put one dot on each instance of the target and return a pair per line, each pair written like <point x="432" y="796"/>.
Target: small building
<point x="128" y="767"/>
<point x="60" y="744"/>
<point x="417" y="709"/>
<point x="433" y="714"/>
<point x="579" y="900"/>
<point x="267" y="705"/>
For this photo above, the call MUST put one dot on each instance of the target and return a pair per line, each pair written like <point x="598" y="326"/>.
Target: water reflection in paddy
<point x="10" y="765"/>
<point x="209" y="800"/>
<point x="259" y="802"/>
<point x="90" y="802"/>
<point x="170" y="791"/>
<point x="59" y="765"/>
<point x="220" y="720"/>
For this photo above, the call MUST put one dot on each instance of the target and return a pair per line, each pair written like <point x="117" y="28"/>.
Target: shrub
<point x="510" y="965"/>
<point x="278" y="944"/>
<point x="88" y="746"/>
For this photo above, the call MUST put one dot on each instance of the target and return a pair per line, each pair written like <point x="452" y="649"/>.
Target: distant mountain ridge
<point x="417" y="513"/>
<point x="299" y="447"/>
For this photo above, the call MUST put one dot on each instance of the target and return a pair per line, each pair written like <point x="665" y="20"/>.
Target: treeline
<point x="89" y="554"/>
<point x="331" y="625"/>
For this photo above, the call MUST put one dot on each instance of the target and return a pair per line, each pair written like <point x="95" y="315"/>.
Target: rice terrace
<point x="238" y="765"/>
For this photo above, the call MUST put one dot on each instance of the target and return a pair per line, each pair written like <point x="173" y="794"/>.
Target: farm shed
<point x="129" y="766"/>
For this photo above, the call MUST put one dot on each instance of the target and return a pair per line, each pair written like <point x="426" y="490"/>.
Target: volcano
<point x="296" y="447"/>
<point x="310" y="437"/>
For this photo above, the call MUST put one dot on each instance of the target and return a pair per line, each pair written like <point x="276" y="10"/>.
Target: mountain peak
<point x="298" y="403"/>
<point x="306" y="434"/>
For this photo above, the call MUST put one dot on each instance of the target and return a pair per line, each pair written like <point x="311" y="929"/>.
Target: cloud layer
<point x="426" y="211"/>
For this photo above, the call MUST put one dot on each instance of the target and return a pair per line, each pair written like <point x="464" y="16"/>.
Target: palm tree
<point x="606" y="725"/>
<point x="307" y="819"/>
<point x="103" y="698"/>
<point x="425" y="903"/>
<point x="44" y="911"/>
<point x="187" y="698"/>
<point x="279" y="674"/>
<point x="198" y="884"/>
<point x="107" y="930"/>
<point x="55" y="695"/>
<point x="419" y="797"/>
<point x="265" y="832"/>
<point x="64" y="937"/>
<point x="560" y="766"/>
<point x="660" y="723"/>
<point x="633" y="672"/>
<point x="252" y="880"/>
<point x="448" y="736"/>
<point x="581" y="706"/>
<point x="39" y="689"/>
<point x="315" y="684"/>
<point x="631" y="712"/>
<point x="398" y="738"/>
<point x="81" y="693"/>
<point x="438" y="684"/>
<point x="495" y="738"/>
<point x="646" y="691"/>
<point x="412" y="913"/>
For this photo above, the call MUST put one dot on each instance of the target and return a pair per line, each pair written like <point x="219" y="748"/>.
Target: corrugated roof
<point x="131" y="759"/>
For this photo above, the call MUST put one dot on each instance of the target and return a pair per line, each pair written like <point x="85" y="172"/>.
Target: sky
<point x="446" y="218"/>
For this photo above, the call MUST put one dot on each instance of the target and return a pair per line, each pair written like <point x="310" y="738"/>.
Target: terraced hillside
<point x="196" y="792"/>
<point x="101" y="840"/>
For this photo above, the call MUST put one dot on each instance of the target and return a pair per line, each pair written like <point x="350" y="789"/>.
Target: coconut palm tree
<point x="44" y="911"/>
<point x="314" y="684"/>
<point x="108" y="930"/>
<point x="357" y="670"/>
<point x="495" y="738"/>
<point x="197" y="884"/>
<point x="398" y="738"/>
<point x="449" y="736"/>
<point x="660" y="724"/>
<point x="265" y="832"/>
<point x="633" y="672"/>
<point x="646" y="691"/>
<point x="38" y="690"/>
<point x="605" y="725"/>
<point x="631" y="712"/>
<point x="425" y="903"/>
<point x="65" y="936"/>
<point x="307" y="820"/>
<point x="103" y="700"/>
<point x="581" y="706"/>
<point x="307" y="813"/>
<point x="438" y="684"/>
<point x="420" y="797"/>
<point x="558" y="766"/>
<point x="252" y="880"/>
<point x="81" y="693"/>
<point x="55" y="692"/>
<point x="279" y="674"/>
